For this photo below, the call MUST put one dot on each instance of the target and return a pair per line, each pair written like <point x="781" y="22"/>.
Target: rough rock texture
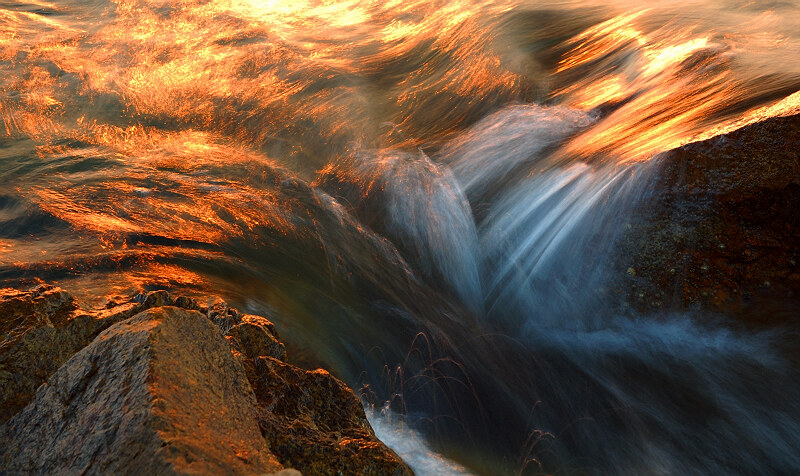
<point x="42" y="305"/>
<point x="315" y="423"/>
<point x="42" y="328"/>
<point x="166" y="391"/>
<point x="159" y="393"/>
<point x="726" y="235"/>
<point x="255" y="336"/>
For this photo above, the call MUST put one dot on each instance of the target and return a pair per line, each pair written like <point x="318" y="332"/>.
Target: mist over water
<point x="424" y="196"/>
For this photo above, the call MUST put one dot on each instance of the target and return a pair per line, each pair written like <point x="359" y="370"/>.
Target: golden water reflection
<point x="279" y="74"/>
<point x="163" y="92"/>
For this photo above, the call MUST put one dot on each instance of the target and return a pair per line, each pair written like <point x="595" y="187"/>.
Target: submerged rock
<point x="168" y="390"/>
<point x="726" y="231"/>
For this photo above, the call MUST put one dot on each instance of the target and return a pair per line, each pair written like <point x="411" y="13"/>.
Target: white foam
<point x="410" y="446"/>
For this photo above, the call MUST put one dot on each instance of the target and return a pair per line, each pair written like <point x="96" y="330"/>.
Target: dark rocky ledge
<point x="163" y="385"/>
<point x="726" y="232"/>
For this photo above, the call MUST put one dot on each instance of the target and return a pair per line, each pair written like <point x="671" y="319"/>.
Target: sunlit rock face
<point x="42" y="328"/>
<point x="159" y="393"/>
<point x="170" y="391"/>
<point x="726" y="233"/>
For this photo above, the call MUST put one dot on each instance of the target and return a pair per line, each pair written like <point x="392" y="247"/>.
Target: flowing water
<point x="424" y="196"/>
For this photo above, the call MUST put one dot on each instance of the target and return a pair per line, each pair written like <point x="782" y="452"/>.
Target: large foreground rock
<point x="165" y="385"/>
<point x="726" y="231"/>
<point x="159" y="393"/>
<point x="42" y="328"/>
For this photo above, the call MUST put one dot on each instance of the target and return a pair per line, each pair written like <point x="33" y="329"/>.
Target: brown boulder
<point x="726" y="231"/>
<point x="42" y="305"/>
<point x="159" y="393"/>
<point x="255" y="336"/>
<point x="40" y="332"/>
<point x="315" y="423"/>
<point x="42" y="328"/>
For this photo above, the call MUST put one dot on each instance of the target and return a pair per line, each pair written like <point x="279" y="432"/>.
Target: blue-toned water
<point x="425" y="196"/>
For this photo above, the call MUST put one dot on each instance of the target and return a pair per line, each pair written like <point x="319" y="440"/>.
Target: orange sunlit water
<point x="169" y="90"/>
<point x="201" y="61"/>
<point x="676" y="85"/>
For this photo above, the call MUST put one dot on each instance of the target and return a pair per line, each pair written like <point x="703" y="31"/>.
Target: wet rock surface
<point x="158" y="393"/>
<point x="726" y="231"/>
<point x="315" y="423"/>
<point x="255" y="336"/>
<point x="41" y="329"/>
<point x="164" y="385"/>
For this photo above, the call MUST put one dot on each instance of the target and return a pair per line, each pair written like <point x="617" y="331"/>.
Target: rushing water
<point x="425" y="197"/>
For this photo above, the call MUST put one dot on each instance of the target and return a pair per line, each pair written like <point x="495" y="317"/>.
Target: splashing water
<point x="411" y="446"/>
<point x="430" y="187"/>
